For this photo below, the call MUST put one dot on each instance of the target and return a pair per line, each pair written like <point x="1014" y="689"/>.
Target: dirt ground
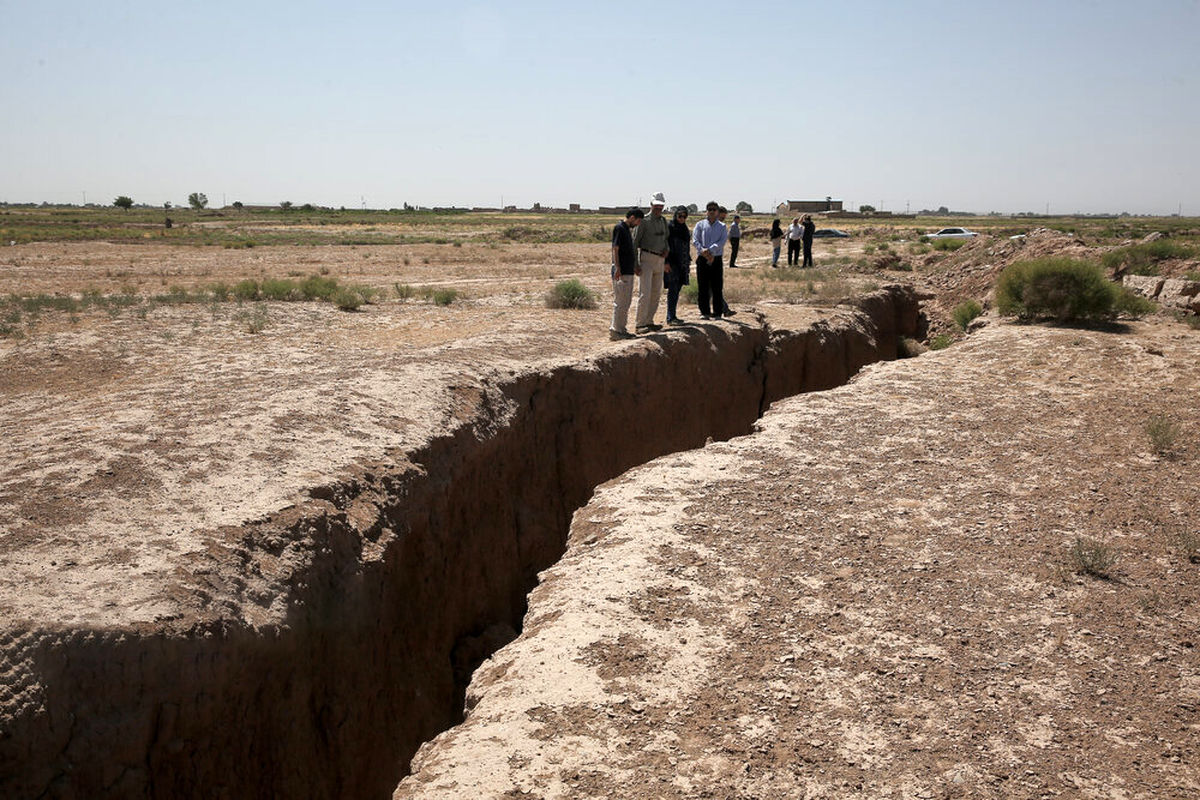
<point x="127" y="435"/>
<point x="873" y="596"/>
<point x="877" y="595"/>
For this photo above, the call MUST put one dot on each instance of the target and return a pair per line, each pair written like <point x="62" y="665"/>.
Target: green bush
<point x="404" y="291"/>
<point x="346" y="299"/>
<point x="246" y="290"/>
<point x="444" y="297"/>
<point x="966" y="311"/>
<point x="1058" y="288"/>
<point x="1132" y="304"/>
<point x="941" y="341"/>
<point x="948" y="244"/>
<point x="570" y="294"/>
<point x="1142" y="259"/>
<point x="280" y="289"/>
<point x="316" y="287"/>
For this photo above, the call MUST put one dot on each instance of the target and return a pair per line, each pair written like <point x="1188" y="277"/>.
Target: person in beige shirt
<point x="650" y="240"/>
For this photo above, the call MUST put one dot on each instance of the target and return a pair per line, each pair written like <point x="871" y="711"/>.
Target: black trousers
<point x="710" y="280"/>
<point x="808" y="262"/>
<point x="734" y="241"/>
<point x="793" y="251"/>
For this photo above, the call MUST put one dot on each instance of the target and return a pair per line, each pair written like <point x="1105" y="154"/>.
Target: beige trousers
<point x="650" y="286"/>
<point x="622" y="297"/>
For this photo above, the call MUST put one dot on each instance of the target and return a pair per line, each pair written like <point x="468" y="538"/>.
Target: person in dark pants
<point x="624" y="267"/>
<point x="679" y="262"/>
<point x="794" y="234"/>
<point x="735" y="239"/>
<point x="722" y="212"/>
<point x="709" y="238"/>
<point x="807" y="238"/>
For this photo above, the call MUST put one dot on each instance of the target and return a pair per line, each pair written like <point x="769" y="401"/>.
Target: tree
<point x="866" y="209"/>
<point x="238" y="205"/>
<point x="693" y="208"/>
<point x="123" y="202"/>
<point x="197" y="200"/>
<point x="744" y="208"/>
<point x="167" y="206"/>
<point x="286" y="205"/>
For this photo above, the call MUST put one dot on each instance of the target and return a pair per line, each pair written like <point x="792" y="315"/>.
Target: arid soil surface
<point x="875" y="596"/>
<point x="872" y="596"/>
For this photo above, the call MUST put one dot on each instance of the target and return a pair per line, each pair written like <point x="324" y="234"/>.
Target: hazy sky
<point x="1008" y="106"/>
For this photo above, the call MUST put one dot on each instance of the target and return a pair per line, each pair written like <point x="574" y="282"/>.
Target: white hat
<point x="656" y="199"/>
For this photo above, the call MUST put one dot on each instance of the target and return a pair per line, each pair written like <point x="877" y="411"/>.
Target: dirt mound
<point x="970" y="272"/>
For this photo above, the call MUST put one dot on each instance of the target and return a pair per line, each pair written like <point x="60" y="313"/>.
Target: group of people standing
<point x="659" y="253"/>
<point x="799" y="235"/>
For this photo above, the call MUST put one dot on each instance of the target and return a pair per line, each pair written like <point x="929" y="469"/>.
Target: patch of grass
<point x="570" y="294"/>
<point x="1143" y="259"/>
<point x="404" y="291"/>
<point x="941" y="341"/>
<point x="966" y="311"/>
<point x="443" y="297"/>
<point x="947" y="245"/>
<point x="254" y="321"/>
<point x="690" y="293"/>
<point x="1163" y="433"/>
<point x="1062" y="289"/>
<point x="1191" y="320"/>
<point x="246" y="290"/>
<point x="1091" y="557"/>
<point x="317" y="287"/>
<point x="346" y="299"/>
<point x="280" y="289"/>
<point x="368" y="293"/>
<point x="1132" y="304"/>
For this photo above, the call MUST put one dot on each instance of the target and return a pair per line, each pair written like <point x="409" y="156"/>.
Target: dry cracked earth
<point x="967" y="574"/>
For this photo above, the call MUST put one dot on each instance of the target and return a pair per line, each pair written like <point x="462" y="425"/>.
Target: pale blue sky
<point x="1078" y="105"/>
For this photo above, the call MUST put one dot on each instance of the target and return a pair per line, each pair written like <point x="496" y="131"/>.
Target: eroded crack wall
<point x="327" y="642"/>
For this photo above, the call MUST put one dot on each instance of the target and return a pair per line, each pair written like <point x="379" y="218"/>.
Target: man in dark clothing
<point x="624" y="267"/>
<point x="807" y="238"/>
<point x="708" y="237"/>
<point x="735" y="239"/>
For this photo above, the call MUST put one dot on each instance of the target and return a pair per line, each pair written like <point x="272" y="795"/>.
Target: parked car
<point x="952" y="233"/>
<point x="830" y="233"/>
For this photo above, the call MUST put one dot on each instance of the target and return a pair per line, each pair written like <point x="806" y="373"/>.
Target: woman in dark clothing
<point x="679" y="261"/>
<point x="776" y="242"/>
<point x="807" y="238"/>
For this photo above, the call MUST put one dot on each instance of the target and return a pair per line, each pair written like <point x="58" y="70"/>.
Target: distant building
<point x="809" y="206"/>
<point x="574" y="207"/>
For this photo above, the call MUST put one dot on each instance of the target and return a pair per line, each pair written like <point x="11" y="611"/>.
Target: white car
<point x="952" y="233"/>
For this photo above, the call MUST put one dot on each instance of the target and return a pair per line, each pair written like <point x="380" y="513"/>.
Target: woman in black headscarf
<point x="679" y="261"/>
<point x="776" y="242"/>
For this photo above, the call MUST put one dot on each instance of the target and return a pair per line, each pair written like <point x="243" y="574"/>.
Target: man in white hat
<point x="650" y="239"/>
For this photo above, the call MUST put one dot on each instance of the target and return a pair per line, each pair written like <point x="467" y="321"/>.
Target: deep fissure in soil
<point x="397" y="581"/>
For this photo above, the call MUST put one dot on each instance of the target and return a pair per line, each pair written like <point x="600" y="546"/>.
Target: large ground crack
<point x="396" y="581"/>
